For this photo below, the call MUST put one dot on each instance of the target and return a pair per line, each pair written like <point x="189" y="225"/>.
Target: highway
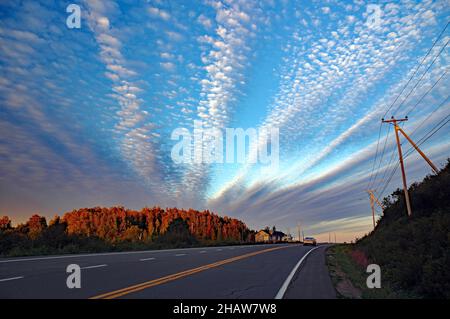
<point x="230" y="272"/>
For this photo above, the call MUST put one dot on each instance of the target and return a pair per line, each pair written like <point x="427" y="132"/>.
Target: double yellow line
<point x="162" y="280"/>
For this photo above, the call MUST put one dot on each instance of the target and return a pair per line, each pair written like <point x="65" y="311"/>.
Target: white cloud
<point x="204" y="21"/>
<point x="158" y="13"/>
<point x="354" y="62"/>
<point x="326" y="10"/>
<point x="168" y="66"/>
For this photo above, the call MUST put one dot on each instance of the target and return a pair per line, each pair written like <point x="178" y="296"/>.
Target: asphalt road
<point x="312" y="280"/>
<point x="257" y="271"/>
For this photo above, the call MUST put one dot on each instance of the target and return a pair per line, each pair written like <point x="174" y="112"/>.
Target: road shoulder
<point x="312" y="280"/>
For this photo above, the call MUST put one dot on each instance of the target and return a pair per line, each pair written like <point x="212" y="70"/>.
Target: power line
<point x="417" y="83"/>
<point x="428" y="117"/>
<point x="371" y="179"/>
<point x="448" y="120"/>
<point x="394" y="148"/>
<point x="426" y="137"/>
<point x="439" y="125"/>
<point x="375" y="160"/>
<point x="382" y="154"/>
<point x="426" y="93"/>
<point x="389" y="179"/>
<point x="386" y="170"/>
<point x="417" y="68"/>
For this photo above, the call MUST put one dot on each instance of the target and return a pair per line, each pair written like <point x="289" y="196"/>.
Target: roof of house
<point x="278" y="233"/>
<point x="273" y="233"/>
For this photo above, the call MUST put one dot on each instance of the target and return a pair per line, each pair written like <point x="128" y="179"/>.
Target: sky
<point x="87" y="113"/>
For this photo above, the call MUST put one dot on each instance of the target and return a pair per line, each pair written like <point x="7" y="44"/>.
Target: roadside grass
<point x="349" y="278"/>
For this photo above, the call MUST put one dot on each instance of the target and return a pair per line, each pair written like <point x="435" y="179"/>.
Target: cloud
<point x="326" y="10"/>
<point x="353" y="65"/>
<point x="204" y="21"/>
<point x="96" y="106"/>
<point x="168" y="66"/>
<point x="317" y="97"/>
<point x="133" y="127"/>
<point x="158" y="13"/>
<point x="174" y="36"/>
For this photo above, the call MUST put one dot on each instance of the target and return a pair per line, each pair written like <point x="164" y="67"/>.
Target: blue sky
<point x="86" y="114"/>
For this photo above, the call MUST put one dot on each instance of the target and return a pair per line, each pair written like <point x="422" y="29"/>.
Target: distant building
<point x="269" y="236"/>
<point x="288" y="238"/>
<point x="262" y="236"/>
<point x="276" y="236"/>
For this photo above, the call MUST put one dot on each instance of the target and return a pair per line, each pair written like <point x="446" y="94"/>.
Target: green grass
<point x="349" y="278"/>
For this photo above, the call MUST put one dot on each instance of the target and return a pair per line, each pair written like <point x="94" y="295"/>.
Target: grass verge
<point x="349" y="277"/>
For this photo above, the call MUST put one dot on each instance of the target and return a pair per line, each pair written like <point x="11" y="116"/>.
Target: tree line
<point x="118" y="228"/>
<point x="414" y="252"/>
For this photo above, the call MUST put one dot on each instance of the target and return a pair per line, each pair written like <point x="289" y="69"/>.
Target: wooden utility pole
<point x="373" y="200"/>
<point x="298" y="229"/>
<point x="400" y="155"/>
<point x="418" y="150"/>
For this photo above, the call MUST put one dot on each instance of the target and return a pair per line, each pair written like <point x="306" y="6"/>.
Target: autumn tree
<point x="5" y="223"/>
<point x="177" y="234"/>
<point x="36" y="225"/>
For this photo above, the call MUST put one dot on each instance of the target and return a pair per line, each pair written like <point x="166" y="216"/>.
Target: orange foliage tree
<point x="117" y="224"/>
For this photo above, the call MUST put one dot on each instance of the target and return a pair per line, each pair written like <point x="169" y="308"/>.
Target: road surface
<point x="257" y="271"/>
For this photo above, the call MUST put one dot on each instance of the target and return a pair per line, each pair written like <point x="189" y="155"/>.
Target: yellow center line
<point x="165" y="279"/>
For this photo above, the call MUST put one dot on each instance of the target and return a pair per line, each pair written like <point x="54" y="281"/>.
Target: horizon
<point x="88" y="113"/>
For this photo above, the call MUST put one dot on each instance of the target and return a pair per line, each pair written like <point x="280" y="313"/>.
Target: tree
<point x="414" y="250"/>
<point x="132" y="234"/>
<point x="100" y="228"/>
<point x="5" y="223"/>
<point x="36" y="225"/>
<point x="55" y="234"/>
<point x="177" y="234"/>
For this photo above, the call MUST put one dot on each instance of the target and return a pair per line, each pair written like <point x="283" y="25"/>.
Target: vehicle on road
<point x="309" y="241"/>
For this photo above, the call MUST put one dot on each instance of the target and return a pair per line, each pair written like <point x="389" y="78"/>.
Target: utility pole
<point x="400" y="155"/>
<point x="329" y="238"/>
<point x="373" y="200"/>
<point x="335" y="238"/>
<point x="298" y="229"/>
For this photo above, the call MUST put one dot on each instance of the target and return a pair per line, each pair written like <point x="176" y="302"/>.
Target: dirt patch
<point x="347" y="290"/>
<point x="342" y="283"/>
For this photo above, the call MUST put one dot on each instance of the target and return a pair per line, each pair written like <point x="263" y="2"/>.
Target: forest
<point x="414" y="251"/>
<point x="117" y="228"/>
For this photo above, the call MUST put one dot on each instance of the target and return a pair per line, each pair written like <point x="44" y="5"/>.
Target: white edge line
<point x="96" y="266"/>
<point x="13" y="278"/>
<point x="115" y="253"/>
<point x="145" y="259"/>
<point x="286" y="283"/>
